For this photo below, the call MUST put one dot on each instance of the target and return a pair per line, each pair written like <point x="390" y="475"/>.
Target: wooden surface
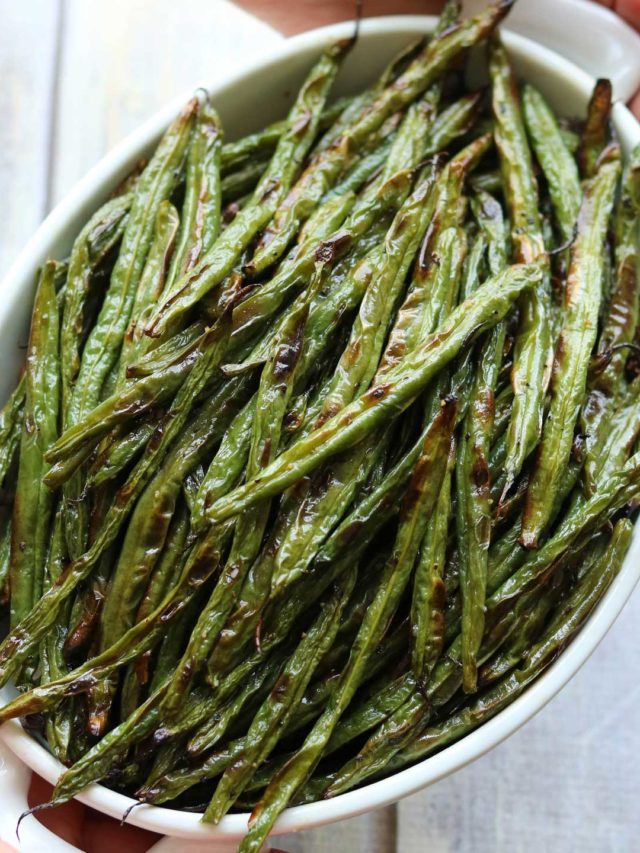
<point x="76" y="76"/>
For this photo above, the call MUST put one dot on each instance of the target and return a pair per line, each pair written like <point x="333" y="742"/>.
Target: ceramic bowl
<point x="246" y="101"/>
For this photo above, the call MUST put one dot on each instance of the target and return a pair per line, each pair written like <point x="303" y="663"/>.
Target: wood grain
<point x="123" y="60"/>
<point x="28" y="43"/>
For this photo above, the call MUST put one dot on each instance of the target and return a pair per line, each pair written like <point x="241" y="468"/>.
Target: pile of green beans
<point x="327" y="439"/>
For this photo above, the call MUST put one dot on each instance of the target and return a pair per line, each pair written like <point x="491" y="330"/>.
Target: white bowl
<point x="246" y="101"/>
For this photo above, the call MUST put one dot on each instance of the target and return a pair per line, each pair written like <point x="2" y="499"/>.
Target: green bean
<point x="596" y="128"/>
<point x="156" y="184"/>
<point x="531" y="365"/>
<point x="532" y="613"/>
<point x="274" y="392"/>
<point x="323" y="503"/>
<point x="95" y="240"/>
<point x="428" y="591"/>
<point x="565" y="624"/>
<point x="297" y="516"/>
<point x="165" y="354"/>
<point x="227" y="465"/>
<point x="5" y="556"/>
<point x="293" y="145"/>
<point x="490" y="182"/>
<point x="473" y="496"/>
<point x="357" y="105"/>
<point x="504" y="401"/>
<point x="19" y="642"/>
<point x="296" y="272"/>
<point x="174" y="783"/>
<point x="615" y="446"/>
<point x="33" y="503"/>
<point x="558" y="165"/>
<point x="362" y="170"/>
<point x="620" y="321"/>
<point x="202" y="563"/>
<point x="582" y="301"/>
<point x="326" y="502"/>
<point x="366" y="715"/>
<point x="486" y="306"/>
<point x="110" y="461"/>
<point x="152" y="281"/>
<point x="200" y="218"/>
<point x="122" y="406"/>
<point x="103" y="345"/>
<point x="149" y="524"/>
<point x="570" y="138"/>
<point x="370" y="712"/>
<point x="383" y="661"/>
<point x="359" y="361"/>
<point x="173" y="643"/>
<point x="235" y="153"/>
<point x="243" y="181"/>
<point x="59" y="724"/>
<point x="203" y="702"/>
<point x="612" y="493"/>
<point x="454" y="121"/>
<point x="438" y="263"/>
<point x="403" y="726"/>
<point x="399" y="729"/>
<point x="164" y="577"/>
<point x="11" y="418"/>
<point x="437" y="56"/>
<point x="622" y="312"/>
<point x="405" y="151"/>
<point x="418" y="504"/>
<point x="112" y="748"/>
<point x="262" y="683"/>
<point x="276" y="710"/>
<point x="353" y="274"/>
<point x="429" y="594"/>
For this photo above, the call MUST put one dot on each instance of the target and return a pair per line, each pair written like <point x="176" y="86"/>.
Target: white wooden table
<point x="75" y="77"/>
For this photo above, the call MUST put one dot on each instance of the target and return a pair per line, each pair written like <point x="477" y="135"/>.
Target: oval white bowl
<point x="246" y="101"/>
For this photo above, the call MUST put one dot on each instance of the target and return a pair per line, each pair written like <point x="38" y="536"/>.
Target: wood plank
<point x="369" y="833"/>
<point x="122" y="61"/>
<point x="28" y="37"/>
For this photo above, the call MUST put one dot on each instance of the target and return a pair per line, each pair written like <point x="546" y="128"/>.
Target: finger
<point x="303" y="15"/>
<point x="6" y="848"/>
<point x="630" y="11"/>
<point x="102" y="834"/>
<point x="634" y="105"/>
<point x="85" y="828"/>
<point x="64" y="821"/>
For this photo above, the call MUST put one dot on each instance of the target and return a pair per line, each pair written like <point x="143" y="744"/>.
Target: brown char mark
<point x="441" y="427"/>
<point x="288" y="353"/>
<point x="330" y="250"/>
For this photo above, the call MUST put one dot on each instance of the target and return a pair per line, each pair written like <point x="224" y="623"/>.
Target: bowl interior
<point x="246" y="102"/>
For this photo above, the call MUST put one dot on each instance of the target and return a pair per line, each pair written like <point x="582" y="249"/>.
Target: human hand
<point x="302" y="15"/>
<point x="86" y="829"/>
<point x="83" y="827"/>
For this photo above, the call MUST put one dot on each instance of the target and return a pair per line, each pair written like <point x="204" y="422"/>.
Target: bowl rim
<point x="96" y="183"/>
